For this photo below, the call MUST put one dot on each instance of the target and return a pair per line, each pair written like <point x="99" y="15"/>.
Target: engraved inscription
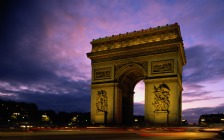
<point x="102" y="73"/>
<point x="166" y="66"/>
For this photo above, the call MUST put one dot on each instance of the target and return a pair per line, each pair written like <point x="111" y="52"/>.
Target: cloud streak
<point x="193" y="114"/>
<point x="61" y="96"/>
<point x="200" y="99"/>
<point x="204" y="63"/>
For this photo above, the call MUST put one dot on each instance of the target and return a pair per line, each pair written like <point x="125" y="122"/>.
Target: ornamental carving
<point x="161" y="99"/>
<point x="117" y="67"/>
<point x="102" y="73"/>
<point x="156" y="34"/>
<point x="165" y="66"/>
<point x="135" y="51"/>
<point x="101" y="101"/>
<point x="144" y="65"/>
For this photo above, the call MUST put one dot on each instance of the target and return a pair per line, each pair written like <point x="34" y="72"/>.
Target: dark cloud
<point x="22" y="32"/>
<point x="139" y="109"/>
<point x="195" y="94"/>
<point x="60" y="102"/>
<point x="25" y="53"/>
<point x="200" y="99"/>
<point x="193" y="114"/>
<point x="204" y="63"/>
<point x="193" y="86"/>
<point x="61" y="96"/>
<point x="31" y="70"/>
<point x="199" y="95"/>
<point x="189" y="97"/>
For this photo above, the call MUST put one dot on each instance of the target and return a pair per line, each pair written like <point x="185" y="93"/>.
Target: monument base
<point x="161" y="118"/>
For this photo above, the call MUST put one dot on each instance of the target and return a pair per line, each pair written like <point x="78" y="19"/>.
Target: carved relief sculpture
<point x="165" y="66"/>
<point x="101" y="101"/>
<point x="102" y="73"/>
<point x="161" y="100"/>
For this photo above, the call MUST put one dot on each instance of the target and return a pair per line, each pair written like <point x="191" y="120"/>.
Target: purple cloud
<point x="139" y="109"/>
<point x="200" y="99"/>
<point x="193" y="114"/>
<point x="203" y="63"/>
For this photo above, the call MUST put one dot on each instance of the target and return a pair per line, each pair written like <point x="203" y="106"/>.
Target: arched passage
<point x="139" y="98"/>
<point x="128" y="76"/>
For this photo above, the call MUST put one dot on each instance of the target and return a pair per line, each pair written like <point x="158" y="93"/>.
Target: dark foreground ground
<point x="113" y="133"/>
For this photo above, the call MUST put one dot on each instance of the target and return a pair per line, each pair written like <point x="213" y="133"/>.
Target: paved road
<point x="107" y="134"/>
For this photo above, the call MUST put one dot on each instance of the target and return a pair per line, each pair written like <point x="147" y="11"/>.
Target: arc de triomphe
<point x="119" y="62"/>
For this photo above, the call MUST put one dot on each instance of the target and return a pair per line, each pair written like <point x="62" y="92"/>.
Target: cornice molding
<point x="141" y="33"/>
<point x="162" y="39"/>
<point x="135" y="51"/>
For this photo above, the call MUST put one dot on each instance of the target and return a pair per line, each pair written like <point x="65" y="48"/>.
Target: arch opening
<point x="127" y="82"/>
<point x="139" y="98"/>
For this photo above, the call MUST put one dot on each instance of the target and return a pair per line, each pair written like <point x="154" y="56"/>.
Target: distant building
<point x="184" y="122"/>
<point x="138" y="120"/>
<point x="19" y="113"/>
<point x="207" y="119"/>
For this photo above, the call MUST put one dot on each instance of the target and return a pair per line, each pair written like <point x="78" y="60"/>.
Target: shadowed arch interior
<point x="129" y="76"/>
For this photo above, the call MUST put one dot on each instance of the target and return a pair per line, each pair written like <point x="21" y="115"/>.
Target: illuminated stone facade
<point x="119" y="62"/>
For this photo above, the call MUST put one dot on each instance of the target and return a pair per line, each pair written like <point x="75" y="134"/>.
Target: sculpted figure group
<point x="101" y="101"/>
<point x="161" y="99"/>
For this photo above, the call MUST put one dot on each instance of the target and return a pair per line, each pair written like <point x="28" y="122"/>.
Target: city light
<point x="45" y="118"/>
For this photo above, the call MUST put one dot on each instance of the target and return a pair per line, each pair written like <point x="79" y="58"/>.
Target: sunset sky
<point x="43" y="46"/>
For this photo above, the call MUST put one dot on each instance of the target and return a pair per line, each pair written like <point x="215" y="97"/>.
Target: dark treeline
<point x="17" y="113"/>
<point x="208" y="119"/>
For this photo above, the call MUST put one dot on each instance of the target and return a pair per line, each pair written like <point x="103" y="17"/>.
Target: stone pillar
<point x="162" y="102"/>
<point x="127" y="108"/>
<point x="117" y="104"/>
<point x="105" y="103"/>
<point x="161" y="118"/>
<point x="149" y="108"/>
<point x="175" y="104"/>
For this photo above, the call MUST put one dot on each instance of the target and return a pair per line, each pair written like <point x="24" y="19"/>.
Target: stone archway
<point x="127" y="77"/>
<point x="155" y="55"/>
